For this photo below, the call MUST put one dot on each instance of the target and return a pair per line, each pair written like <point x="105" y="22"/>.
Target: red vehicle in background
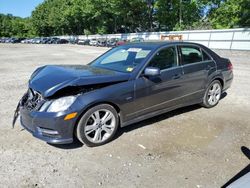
<point x="121" y="42"/>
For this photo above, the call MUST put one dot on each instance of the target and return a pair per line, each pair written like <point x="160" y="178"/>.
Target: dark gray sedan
<point x="125" y="85"/>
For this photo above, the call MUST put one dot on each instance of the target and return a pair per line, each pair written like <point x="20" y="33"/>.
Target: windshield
<point x="122" y="59"/>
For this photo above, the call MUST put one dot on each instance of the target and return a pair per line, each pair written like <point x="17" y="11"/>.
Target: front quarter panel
<point x="121" y="95"/>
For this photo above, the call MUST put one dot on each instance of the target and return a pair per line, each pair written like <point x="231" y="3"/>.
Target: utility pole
<point x="180" y="13"/>
<point x="150" y="5"/>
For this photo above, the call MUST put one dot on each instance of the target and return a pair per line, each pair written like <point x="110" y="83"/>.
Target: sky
<point x="21" y="8"/>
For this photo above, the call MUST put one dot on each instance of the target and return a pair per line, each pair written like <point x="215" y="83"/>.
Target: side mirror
<point x="152" y="71"/>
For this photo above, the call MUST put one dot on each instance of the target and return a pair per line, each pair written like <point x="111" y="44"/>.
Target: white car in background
<point x="93" y="42"/>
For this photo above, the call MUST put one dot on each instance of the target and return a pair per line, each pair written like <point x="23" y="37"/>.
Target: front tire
<point x="212" y="95"/>
<point x="98" y="125"/>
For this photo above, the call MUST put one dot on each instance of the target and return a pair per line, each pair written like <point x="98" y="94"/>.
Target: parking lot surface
<point x="189" y="147"/>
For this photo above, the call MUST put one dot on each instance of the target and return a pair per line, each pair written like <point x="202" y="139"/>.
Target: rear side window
<point x="164" y="59"/>
<point x="190" y="54"/>
<point x="206" y="57"/>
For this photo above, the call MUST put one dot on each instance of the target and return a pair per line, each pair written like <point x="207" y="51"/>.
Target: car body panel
<point x="158" y="92"/>
<point x="49" y="79"/>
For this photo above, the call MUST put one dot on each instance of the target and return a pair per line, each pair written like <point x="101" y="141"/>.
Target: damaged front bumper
<point x="49" y="127"/>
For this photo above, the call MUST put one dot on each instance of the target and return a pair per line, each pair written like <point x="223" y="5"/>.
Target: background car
<point x="121" y="42"/>
<point x="137" y="39"/>
<point x="83" y="41"/>
<point x="112" y="42"/>
<point x="44" y="40"/>
<point x="17" y="40"/>
<point x="93" y="42"/>
<point x="73" y="40"/>
<point x="101" y="42"/>
<point x="61" y="41"/>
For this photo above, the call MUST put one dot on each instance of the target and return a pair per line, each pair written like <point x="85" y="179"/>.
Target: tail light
<point x="230" y="65"/>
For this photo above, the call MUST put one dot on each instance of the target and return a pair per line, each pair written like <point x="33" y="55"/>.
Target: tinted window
<point x="190" y="54"/>
<point x="206" y="57"/>
<point x="164" y="59"/>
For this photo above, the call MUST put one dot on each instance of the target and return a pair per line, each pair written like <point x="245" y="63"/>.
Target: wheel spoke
<point x="217" y="91"/>
<point x="107" y="130"/>
<point x="97" y="115"/>
<point x="98" y="136"/>
<point x="210" y="92"/>
<point x="89" y="129"/>
<point x="107" y="117"/>
<point x="93" y="117"/>
<point x="214" y="88"/>
<point x="210" y="99"/>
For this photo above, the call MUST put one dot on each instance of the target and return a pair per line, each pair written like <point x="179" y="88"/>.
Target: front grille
<point x="32" y="100"/>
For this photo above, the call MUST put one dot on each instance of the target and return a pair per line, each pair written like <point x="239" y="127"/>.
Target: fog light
<point x="47" y="131"/>
<point x="70" y="116"/>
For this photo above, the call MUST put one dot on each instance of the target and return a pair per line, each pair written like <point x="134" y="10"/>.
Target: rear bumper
<point x="228" y="79"/>
<point x="49" y="127"/>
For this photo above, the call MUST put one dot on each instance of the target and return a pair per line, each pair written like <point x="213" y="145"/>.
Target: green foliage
<point x="77" y="17"/>
<point x="14" y="26"/>
<point x="231" y="14"/>
<point x="176" y="14"/>
<point x="245" y="13"/>
<point x="227" y="15"/>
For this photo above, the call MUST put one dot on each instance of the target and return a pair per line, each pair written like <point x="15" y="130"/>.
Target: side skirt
<point x="158" y="112"/>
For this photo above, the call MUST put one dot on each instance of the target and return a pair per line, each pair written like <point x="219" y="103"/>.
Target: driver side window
<point x="164" y="59"/>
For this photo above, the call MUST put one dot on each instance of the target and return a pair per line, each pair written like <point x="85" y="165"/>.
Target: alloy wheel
<point x="99" y="126"/>
<point x="214" y="94"/>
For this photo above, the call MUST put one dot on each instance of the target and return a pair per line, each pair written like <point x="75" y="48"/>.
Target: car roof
<point x="159" y="44"/>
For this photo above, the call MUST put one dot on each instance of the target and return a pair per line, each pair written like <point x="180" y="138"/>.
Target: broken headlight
<point x="58" y="105"/>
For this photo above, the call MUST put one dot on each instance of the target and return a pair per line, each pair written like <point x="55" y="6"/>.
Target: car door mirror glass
<point x="152" y="71"/>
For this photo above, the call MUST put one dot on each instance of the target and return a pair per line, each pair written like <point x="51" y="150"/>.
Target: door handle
<point x="176" y="76"/>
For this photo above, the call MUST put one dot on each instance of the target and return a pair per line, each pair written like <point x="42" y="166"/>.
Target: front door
<point x="160" y="92"/>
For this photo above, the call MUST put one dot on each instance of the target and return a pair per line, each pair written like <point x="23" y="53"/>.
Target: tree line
<point x="78" y="17"/>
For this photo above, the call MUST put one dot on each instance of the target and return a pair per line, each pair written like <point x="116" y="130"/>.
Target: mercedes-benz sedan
<point x="125" y="85"/>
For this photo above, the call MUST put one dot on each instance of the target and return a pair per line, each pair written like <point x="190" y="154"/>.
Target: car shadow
<point x="156" y="119"/>
<point x="223" y="95"/>
<point x="150" y="121"/>
<point x="74" y="145"/>
<point x="159" y="118"/>
<point x="244" y="171"/>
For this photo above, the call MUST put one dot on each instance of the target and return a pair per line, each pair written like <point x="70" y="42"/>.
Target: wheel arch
<point x="220" y="80"/>
<point x="216" y="76"/>
<point x="115" y="106"/>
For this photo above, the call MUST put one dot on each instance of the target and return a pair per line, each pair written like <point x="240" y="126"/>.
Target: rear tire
<point x="98" y="125"/>
<point x="212" y="94"/>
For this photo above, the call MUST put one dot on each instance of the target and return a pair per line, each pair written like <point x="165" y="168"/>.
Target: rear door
<point x="197" y="65"/>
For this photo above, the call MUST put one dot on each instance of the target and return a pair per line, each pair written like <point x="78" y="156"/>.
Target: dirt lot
<point x="190" y="147"/>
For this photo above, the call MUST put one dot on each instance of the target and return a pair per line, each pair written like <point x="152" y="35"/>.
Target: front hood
<point x="49" y="79"/>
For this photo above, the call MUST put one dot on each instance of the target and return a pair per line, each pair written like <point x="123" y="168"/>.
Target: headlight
<point x="60" y="104"/>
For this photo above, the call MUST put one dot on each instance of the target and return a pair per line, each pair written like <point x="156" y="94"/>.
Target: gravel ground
<point x="189" y="147"/>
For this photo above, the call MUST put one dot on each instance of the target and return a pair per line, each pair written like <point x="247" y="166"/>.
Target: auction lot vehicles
<point x="101" y="42"/>
<point x="93" y="42"/>
<point x="83" y="41"/>
<point x="125" y="85"/>
<point x="137" y="39"/>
